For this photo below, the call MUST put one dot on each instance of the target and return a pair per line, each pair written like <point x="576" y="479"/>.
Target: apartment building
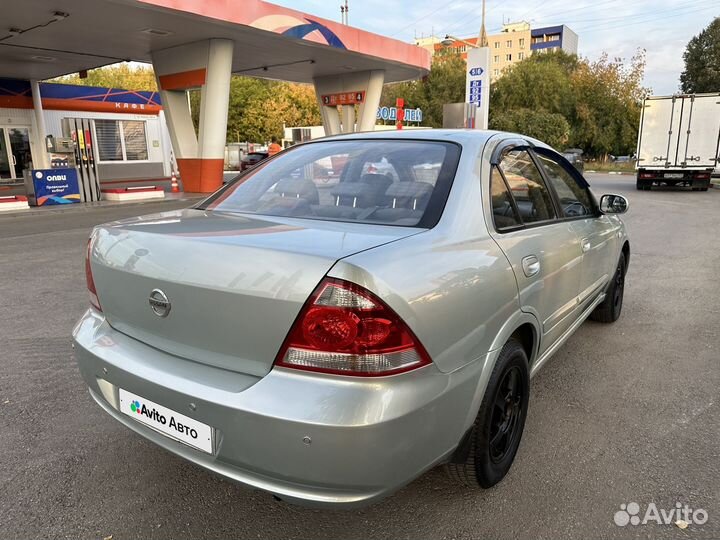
<point x="515" y="42"/>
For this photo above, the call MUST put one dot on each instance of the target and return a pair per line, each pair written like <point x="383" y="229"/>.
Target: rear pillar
<point x="332" y="88"/>
<point x="204" y="65"/>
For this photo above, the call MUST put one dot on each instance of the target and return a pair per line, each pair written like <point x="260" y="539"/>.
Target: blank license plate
<point x="166" y="421"/>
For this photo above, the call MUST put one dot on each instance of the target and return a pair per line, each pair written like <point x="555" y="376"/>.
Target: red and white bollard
<point x="174" y="186"/>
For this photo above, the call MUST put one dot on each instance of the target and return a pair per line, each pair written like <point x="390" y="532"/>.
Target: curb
<point x="91" y="207"/>
<point x="610" y="172"/>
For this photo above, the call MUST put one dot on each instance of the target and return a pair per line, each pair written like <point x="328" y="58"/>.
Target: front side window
<point x="369" y="181"/>
<point x="574" y="199"/>
<point x="527" y="186"/>
<point x="121" y="140"/>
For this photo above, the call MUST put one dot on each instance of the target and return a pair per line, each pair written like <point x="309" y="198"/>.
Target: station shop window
<point x="121" y="140"/>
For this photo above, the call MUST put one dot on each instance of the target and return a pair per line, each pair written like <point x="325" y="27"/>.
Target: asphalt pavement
<point x="623" y="413"/>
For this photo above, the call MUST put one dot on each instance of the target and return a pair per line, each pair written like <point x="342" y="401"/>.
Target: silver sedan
<point x="330" y="341"/>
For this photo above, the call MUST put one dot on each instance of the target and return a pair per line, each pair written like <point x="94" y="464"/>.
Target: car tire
<point x="609" y="310"/>
<point x="480" y="462"/>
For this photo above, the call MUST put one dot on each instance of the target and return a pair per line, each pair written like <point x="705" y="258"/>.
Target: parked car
<point x="248" y="161"/>
<point x="329" y="345"/>
<point x="574" y="156"/>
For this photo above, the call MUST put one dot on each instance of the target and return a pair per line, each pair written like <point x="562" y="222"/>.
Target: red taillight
<point x="347" y="330"/>
<point x="647" y="175"/>
<point x="702" y="176"/>
<point x="89" y="278"/>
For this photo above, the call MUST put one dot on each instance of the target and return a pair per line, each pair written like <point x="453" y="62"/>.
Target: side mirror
<point x="613" y="204"/>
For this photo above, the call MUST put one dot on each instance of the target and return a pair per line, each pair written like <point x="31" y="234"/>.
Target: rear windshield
<point x="385" y="182"/>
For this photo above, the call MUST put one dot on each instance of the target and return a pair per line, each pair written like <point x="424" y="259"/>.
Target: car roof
<point x="453" y="135"/>
<point x="460" y="136"/>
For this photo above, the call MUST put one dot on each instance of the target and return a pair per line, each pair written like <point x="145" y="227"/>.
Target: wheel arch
<point x="523" y="326"/>
<point x="526" y="328"/>
<point x="626" y="252"/>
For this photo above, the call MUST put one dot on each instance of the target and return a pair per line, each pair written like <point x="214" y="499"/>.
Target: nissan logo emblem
<point x="159" y="303"/>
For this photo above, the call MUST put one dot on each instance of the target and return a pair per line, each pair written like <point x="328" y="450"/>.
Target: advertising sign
<point x="391" y="113"/>
<point x="477" y="84"/>
<point x="55" y="186"/>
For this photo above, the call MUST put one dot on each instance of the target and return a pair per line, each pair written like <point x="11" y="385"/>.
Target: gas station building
<point x="192" y="44"/>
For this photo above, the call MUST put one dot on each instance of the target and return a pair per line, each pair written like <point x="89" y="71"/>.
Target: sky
<point x="617" y="27"/>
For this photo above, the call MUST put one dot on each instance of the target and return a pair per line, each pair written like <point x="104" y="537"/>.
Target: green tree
<point x="444" y="84"/>
<point x="541" y="82"/>
<point x="608" y="98"/>
<point x="284" y="104"/>
<point x="551" y="128"/>
<point x="121" y="75"/>
<point x="258" y="109"/>
<point x="702" y="61"/>
<point x="600" y="100"/>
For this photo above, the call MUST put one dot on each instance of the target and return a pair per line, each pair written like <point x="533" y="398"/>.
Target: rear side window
<point x="504" y="214"/>
<point x="532" y="198"/>
<point x="574" y="199"/>
<point x="386" y="182"/>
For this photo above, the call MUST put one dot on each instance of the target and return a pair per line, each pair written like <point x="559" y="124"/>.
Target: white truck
<point x="678" y="141"/>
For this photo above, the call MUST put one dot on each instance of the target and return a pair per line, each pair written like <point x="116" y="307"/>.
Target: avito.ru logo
<point x="681" y="515"/>
<point x="153" y="414"/>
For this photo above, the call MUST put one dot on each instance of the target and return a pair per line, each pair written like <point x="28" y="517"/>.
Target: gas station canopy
<point x="198" y="44"/>
<point x="41" y="40"/>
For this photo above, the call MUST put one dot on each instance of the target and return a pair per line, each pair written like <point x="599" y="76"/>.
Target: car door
<point x="597" y="233"/>
<point x="544" y="252"/>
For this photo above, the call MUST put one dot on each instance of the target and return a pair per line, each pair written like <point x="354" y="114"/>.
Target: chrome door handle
<point x="585" y="243"/>
<point x="530" y="265"/>
<point x="14" y="160"/>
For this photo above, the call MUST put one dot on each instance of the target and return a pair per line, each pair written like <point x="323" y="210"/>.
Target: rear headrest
<point x="299" y="188"/>
<point x="369" y="191"/>
<point x="355" y="194"/>
<point x="375" y="179"/>
<point x="413" y="195"/>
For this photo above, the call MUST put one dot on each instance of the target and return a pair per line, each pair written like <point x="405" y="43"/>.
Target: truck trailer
<point x="678" y="141"/>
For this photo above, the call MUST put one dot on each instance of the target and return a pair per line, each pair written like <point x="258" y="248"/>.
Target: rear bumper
<point x="367" y="437"/>
<point x="674" y="176"/>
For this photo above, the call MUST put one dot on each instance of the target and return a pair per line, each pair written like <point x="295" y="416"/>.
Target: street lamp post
<point x="449" y="40"/>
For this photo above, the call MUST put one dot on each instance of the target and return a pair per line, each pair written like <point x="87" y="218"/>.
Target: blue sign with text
<point x="55" y="186"/>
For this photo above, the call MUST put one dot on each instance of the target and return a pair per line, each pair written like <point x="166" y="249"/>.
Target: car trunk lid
<point x="234" y="283"/>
